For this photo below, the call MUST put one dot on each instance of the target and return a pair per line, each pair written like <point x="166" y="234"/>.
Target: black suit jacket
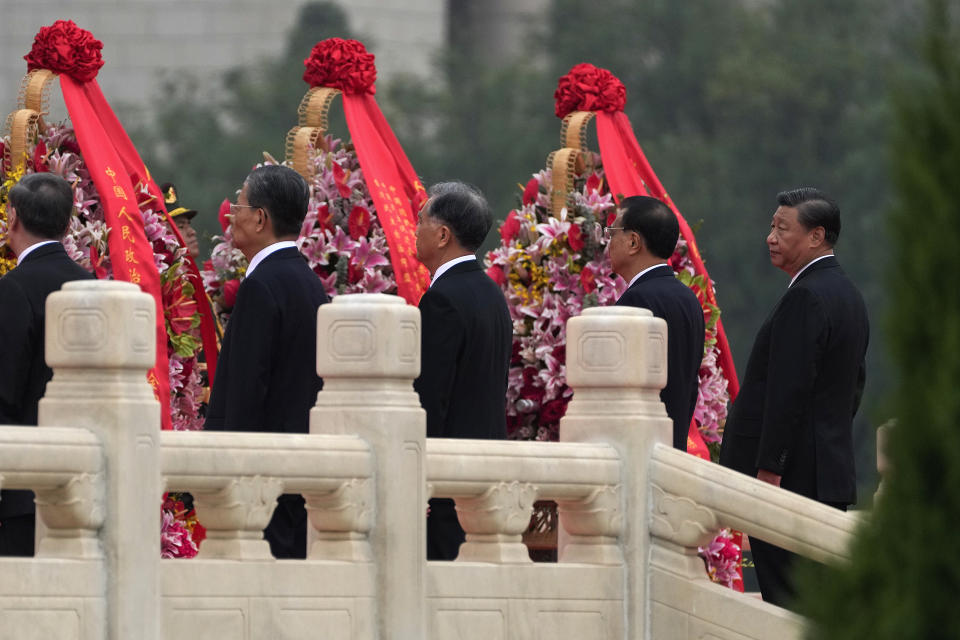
<point x="802" y="387"/>
<point x="23" y="370"/>
<point x="267" y="372"/>
<point x="659" y="291"/>
<point x="465" y="355"/>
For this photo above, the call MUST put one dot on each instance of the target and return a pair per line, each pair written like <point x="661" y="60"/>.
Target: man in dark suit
<point x="266" y="373"/>
<point x="641" y="240"/>
<point x="38" y="213"/>
<point x="792" y="424"/>
<point x="467" y="338"/>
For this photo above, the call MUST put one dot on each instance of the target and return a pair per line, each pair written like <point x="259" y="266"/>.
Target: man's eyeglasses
<point x="608" y="231"/>
<point x="235" y="206"/>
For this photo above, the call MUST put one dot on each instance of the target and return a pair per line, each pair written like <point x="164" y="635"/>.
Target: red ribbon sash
<point x="629" y="173"/>
<point x="131" y="254"/>
<point x="394" y="187"/>
<point x="140" y="174"/>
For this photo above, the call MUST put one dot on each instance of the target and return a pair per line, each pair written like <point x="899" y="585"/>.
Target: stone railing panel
<point x="713" y="496"/>
<point x="236" y="478"/>
<point x="496" y="483"/>
<point x="65" y="469"/>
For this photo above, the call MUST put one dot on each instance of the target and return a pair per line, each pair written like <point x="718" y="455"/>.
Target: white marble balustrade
<point x="632" y="510"/>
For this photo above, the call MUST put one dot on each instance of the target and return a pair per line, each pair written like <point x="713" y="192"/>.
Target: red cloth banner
<point x="139" y="174"/>
<point x="131" y="253"/>
<point x="695" y="444"/>
<point x="629" y="173"/>
<point x="394" y="187"/>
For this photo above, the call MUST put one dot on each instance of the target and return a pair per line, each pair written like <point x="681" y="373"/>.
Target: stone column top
<point x="99" y="285"/>
<point x="100" y="324"/>
<point x="368" y="298"/>
<point x="617" y="311"/>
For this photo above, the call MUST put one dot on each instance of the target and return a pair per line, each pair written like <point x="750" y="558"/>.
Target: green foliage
<point x="904" y="575"/>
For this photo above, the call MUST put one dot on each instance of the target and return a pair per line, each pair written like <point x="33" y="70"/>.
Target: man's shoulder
<point x="469" y="286"/>
<point x="56" y="268"/>
<point x="824" y="281"/>
<point x="285" y="263"/>
<point x="663" y="287"/>
<point x="280" y="276"/>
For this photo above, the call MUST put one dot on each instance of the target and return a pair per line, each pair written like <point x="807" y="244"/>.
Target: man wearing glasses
<point x="641" y="240"/>
<point x="266" y="373"/>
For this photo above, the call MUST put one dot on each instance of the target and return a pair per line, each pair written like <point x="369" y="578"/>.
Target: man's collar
<point x="807" y="266"/>
<point x="31" y="248"/>
<point x="446" y="266"/>
<point x="647" y="270"/>
<point x="266" y="251"/>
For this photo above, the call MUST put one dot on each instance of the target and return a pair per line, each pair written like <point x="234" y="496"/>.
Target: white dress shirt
<point x="446" y="266"/>
<point x="266" y="251"/>
<point x="794" y="279"/>
<point x="637" y="277"/>
<point x="27" y="251"/>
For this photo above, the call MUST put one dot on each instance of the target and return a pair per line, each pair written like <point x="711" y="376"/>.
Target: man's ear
<point x="817" y="236"/>
<point x="636" y="243"/>
<point x="445" y="235"/>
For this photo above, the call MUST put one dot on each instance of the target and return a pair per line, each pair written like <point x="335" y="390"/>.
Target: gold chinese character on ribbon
<point x="135" y="276"/>
<point x="127" y="234"/>
<point x="119" y="192"/>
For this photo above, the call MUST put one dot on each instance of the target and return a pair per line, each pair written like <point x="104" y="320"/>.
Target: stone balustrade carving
<point x="235" y="516"/>
<point x="716" y="497"/>
<point x="681" y="520"/>
<point x="64" y="467"/>
<point x="494" y="523"/>
<point x="342" y="519"/>
<point x="594" y="524"/>
<point x="632" y="510"/>
<point x="235" y="479"/>
<point x="495" y="484"/>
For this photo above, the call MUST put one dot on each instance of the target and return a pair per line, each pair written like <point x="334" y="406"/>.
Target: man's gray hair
<point x="463" y="208"/>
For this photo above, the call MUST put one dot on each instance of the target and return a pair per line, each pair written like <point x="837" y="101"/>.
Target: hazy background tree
<point x="903" y="578"/>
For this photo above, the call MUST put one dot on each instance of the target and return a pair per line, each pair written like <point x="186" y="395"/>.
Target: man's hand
<point x="769" y="477"/>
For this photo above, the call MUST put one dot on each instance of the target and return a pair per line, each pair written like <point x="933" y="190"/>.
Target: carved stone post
<point x="617" y="364"/>
<point x="100" y="343"/>
<point x="368" y="353"/>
